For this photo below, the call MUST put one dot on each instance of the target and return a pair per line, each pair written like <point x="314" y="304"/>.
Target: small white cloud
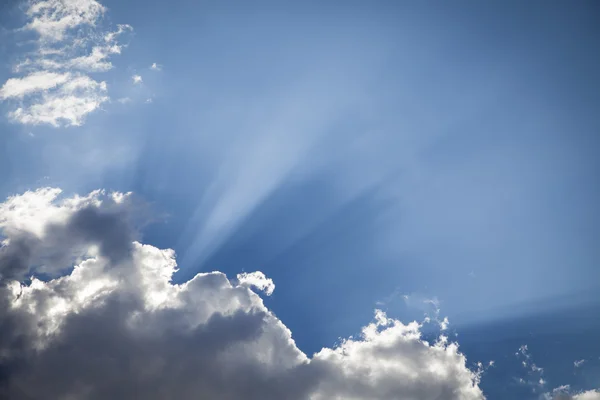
<point x="137" y="79"/>
<point x="444" y="324"/>
<point x="578" y="363"/>
<point x="156" y="67"/>
<point x="258" y="280"/>
<point x="535" y="368"/>
<point x="110" y="37"/>
<point x="149" y="100"/>
<point x="124" y="100"/>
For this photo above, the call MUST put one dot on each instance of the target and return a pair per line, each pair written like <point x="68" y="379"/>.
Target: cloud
<point x="35" y="82"/>
<point x="258" y="280"/>
<point x="564" y="393"/>
<point x="55" y="235"/>
<point x="69" y="104"/>
<point x="136" y="79"/>
<point x="53" y="19"/>
<point x="589" y="395"/>
<point x="156" y="67"/>
<point x="115" y="326"/>
<point x="55" y="87"/>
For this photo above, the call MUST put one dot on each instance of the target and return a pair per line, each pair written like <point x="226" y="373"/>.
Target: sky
<point x="299" y="200"/>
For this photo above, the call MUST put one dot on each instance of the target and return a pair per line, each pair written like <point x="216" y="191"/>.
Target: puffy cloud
<point x="258" y="280"/>
<point x="115" y="326"/>
<point x="589" y="395"/>
<point x="156" y="67"/>
<point x="51" y="236"/>
<point x="392" y="362"/>
<point x="136" y="79"/>
<point x="564" y="393"/>
<point x="55" y="87"/>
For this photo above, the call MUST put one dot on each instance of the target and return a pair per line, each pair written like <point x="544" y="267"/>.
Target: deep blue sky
<point x="358" y="152"/>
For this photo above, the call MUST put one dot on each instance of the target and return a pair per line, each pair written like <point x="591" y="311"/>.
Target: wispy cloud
<point x="54" y="86"/>
<point x="53" y="19"/>
<point x="124" y="100"/>
<point x="32" y="83"/>
<point x="156" y="67"/>
<point x="137" y="79"/>
<point x="71" y="102"/>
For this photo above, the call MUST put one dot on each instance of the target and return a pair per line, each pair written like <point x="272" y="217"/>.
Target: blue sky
<point x="361" y="156"/>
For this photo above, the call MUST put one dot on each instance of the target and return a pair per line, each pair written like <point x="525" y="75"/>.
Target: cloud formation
<point x="563" y="393"/>
<point x="114" y="326"/>
<point x="54" y="85"/>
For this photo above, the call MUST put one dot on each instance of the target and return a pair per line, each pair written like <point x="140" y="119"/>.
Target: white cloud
<point x="444" y="323"/>
<point x="96" y="60"/>
<point x="52" y="19"/>
<point x="69" y="104"/>
<point x="35" y="82"/>
<point x="136" y="79"/>
<point x="54" y="87"/>
<point x="564" y="392"/>
<point x="258" y="280"/>
<point x="116" y="326"/>
<point x="578" y="363"/>
<point x="589" y="395"/>
<point x="156" y="67"/>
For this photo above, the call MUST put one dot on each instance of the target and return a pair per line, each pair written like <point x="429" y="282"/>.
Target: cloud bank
<point x="112" y="325"/>
<point x="54" y="84"/>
